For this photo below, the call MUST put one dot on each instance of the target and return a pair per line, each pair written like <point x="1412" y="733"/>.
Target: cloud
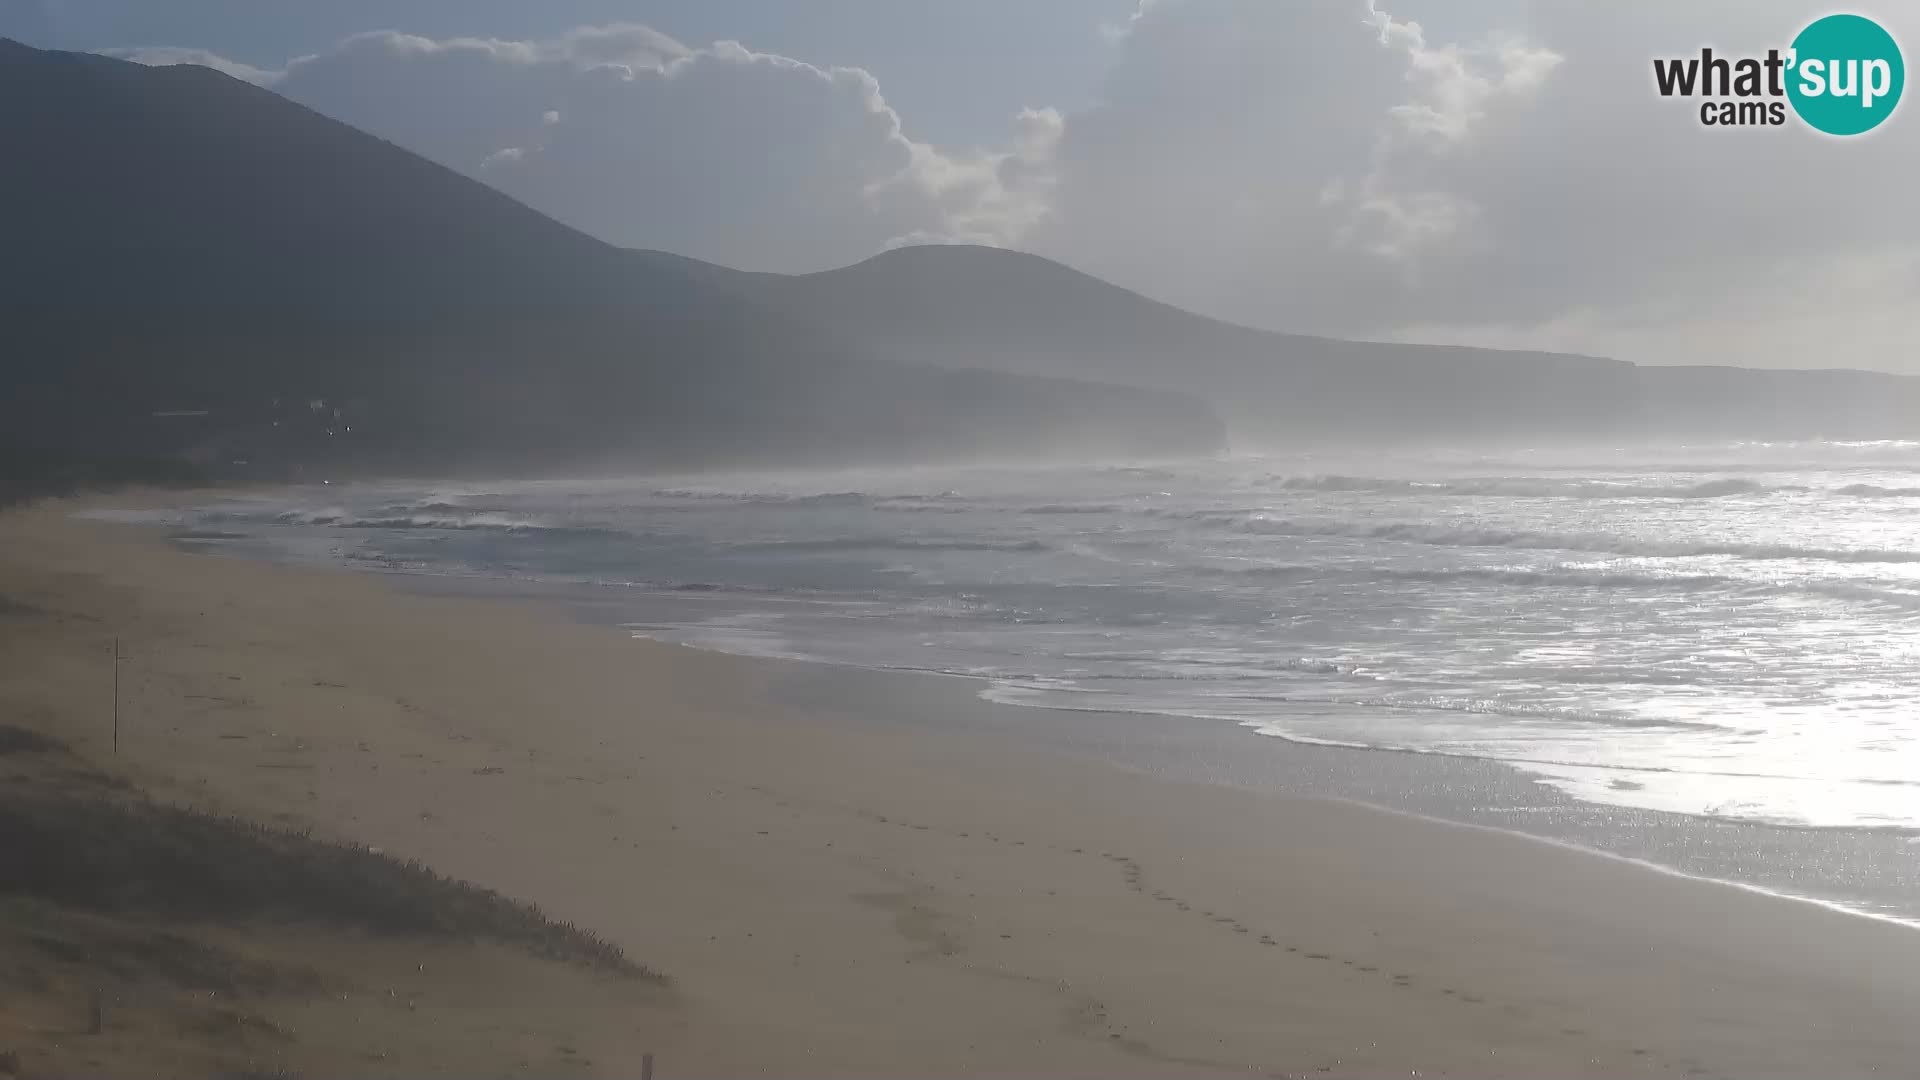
<point x="986" y="197"/>
<point x="1453" y="90"/>
<point x="163" y="56"/>
<point x="721" y="152"/>
<point x="1251" y="159"/>
<point x="1317" y="165"/>
<point x="1454" y="83"/>
<point x="1327" y="165"/>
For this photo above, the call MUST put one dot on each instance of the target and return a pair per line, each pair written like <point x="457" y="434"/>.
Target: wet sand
<point x="834" y="891"/>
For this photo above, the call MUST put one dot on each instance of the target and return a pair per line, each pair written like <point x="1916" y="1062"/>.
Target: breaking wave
<point x="1547" y="577"/>
<point x="1530" y="487"/>
<point x="1567" y="577"/>
<point x="892" y="543"/>
<point x="1446" y="536"/>
<point x="1074" y="508"/>
<point x="1490" y="707"/>
<point x="1874" y="491"/>
<point x="446" y="517"/>
<point x="825" y="499"/>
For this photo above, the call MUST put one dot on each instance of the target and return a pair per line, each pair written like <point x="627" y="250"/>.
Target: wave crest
<point x="484" y="520"/>
<point x="1874" y="491"/>
<point x="894" y="543"/>
<point x="1529" y="487"/>
<point x="1447" y="536"/>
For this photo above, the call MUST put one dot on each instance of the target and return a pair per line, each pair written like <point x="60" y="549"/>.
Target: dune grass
<point x="126" y="855"/>
<point x="19" y="740"/>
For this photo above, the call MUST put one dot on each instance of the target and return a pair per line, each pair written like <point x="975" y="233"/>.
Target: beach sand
<point x="834" y="894"/>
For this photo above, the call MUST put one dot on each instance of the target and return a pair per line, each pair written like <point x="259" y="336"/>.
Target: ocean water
<point x="1731" y="631"/>
<point x="1726" y="631"/>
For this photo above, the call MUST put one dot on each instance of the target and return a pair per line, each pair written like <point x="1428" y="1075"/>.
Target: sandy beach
<point x="832" y="891"/>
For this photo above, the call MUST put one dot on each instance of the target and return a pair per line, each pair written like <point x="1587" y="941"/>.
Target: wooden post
<point x="646" y="1067"/>
<point x="96" y="1013"/>
<point x="116" y="694"/>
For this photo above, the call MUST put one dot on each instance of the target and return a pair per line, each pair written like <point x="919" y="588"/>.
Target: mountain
<point x="1023" y="313"/>
<point x="1018" y="312"/>
<point x="193" y="266"/>
<point x="192" y="263"/>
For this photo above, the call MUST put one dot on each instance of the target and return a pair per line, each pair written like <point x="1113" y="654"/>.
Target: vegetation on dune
<point x="130" y="856"/>
<point x="19" y="740"/>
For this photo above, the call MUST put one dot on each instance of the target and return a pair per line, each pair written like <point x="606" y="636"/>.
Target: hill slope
<point x="279" y="286"/>
<point x="1017" y="312"/>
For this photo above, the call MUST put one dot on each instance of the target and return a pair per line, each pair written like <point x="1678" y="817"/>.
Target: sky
<point x="1490" y="172"/>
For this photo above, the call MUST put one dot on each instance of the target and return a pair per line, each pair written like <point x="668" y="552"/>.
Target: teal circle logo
<point x="1846" y="75"/>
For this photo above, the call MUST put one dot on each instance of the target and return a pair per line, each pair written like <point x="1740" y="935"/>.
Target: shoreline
<point x="1498" y="796"/>
<point x="1312" y="746"/>
<point x="836" y="874"/>
<point x="1667" y="775"/>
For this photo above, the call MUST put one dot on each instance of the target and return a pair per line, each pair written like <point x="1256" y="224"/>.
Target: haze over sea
<point x="1723" y="631"/>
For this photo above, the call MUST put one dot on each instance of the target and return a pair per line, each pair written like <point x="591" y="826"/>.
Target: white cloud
<point x="1331" y="165"/>
<point x="1454" y="84"/>
<point x="1253" y="159"/>
<point x="721" y="152"/>
<point x="987" y="197"/>
<point x="166" y="56"/>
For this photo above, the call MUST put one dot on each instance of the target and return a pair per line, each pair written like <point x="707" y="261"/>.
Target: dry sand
<point x="836" y="896"/>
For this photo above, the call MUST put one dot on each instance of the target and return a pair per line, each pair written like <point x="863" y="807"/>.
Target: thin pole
<point x="116" y="695"/>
